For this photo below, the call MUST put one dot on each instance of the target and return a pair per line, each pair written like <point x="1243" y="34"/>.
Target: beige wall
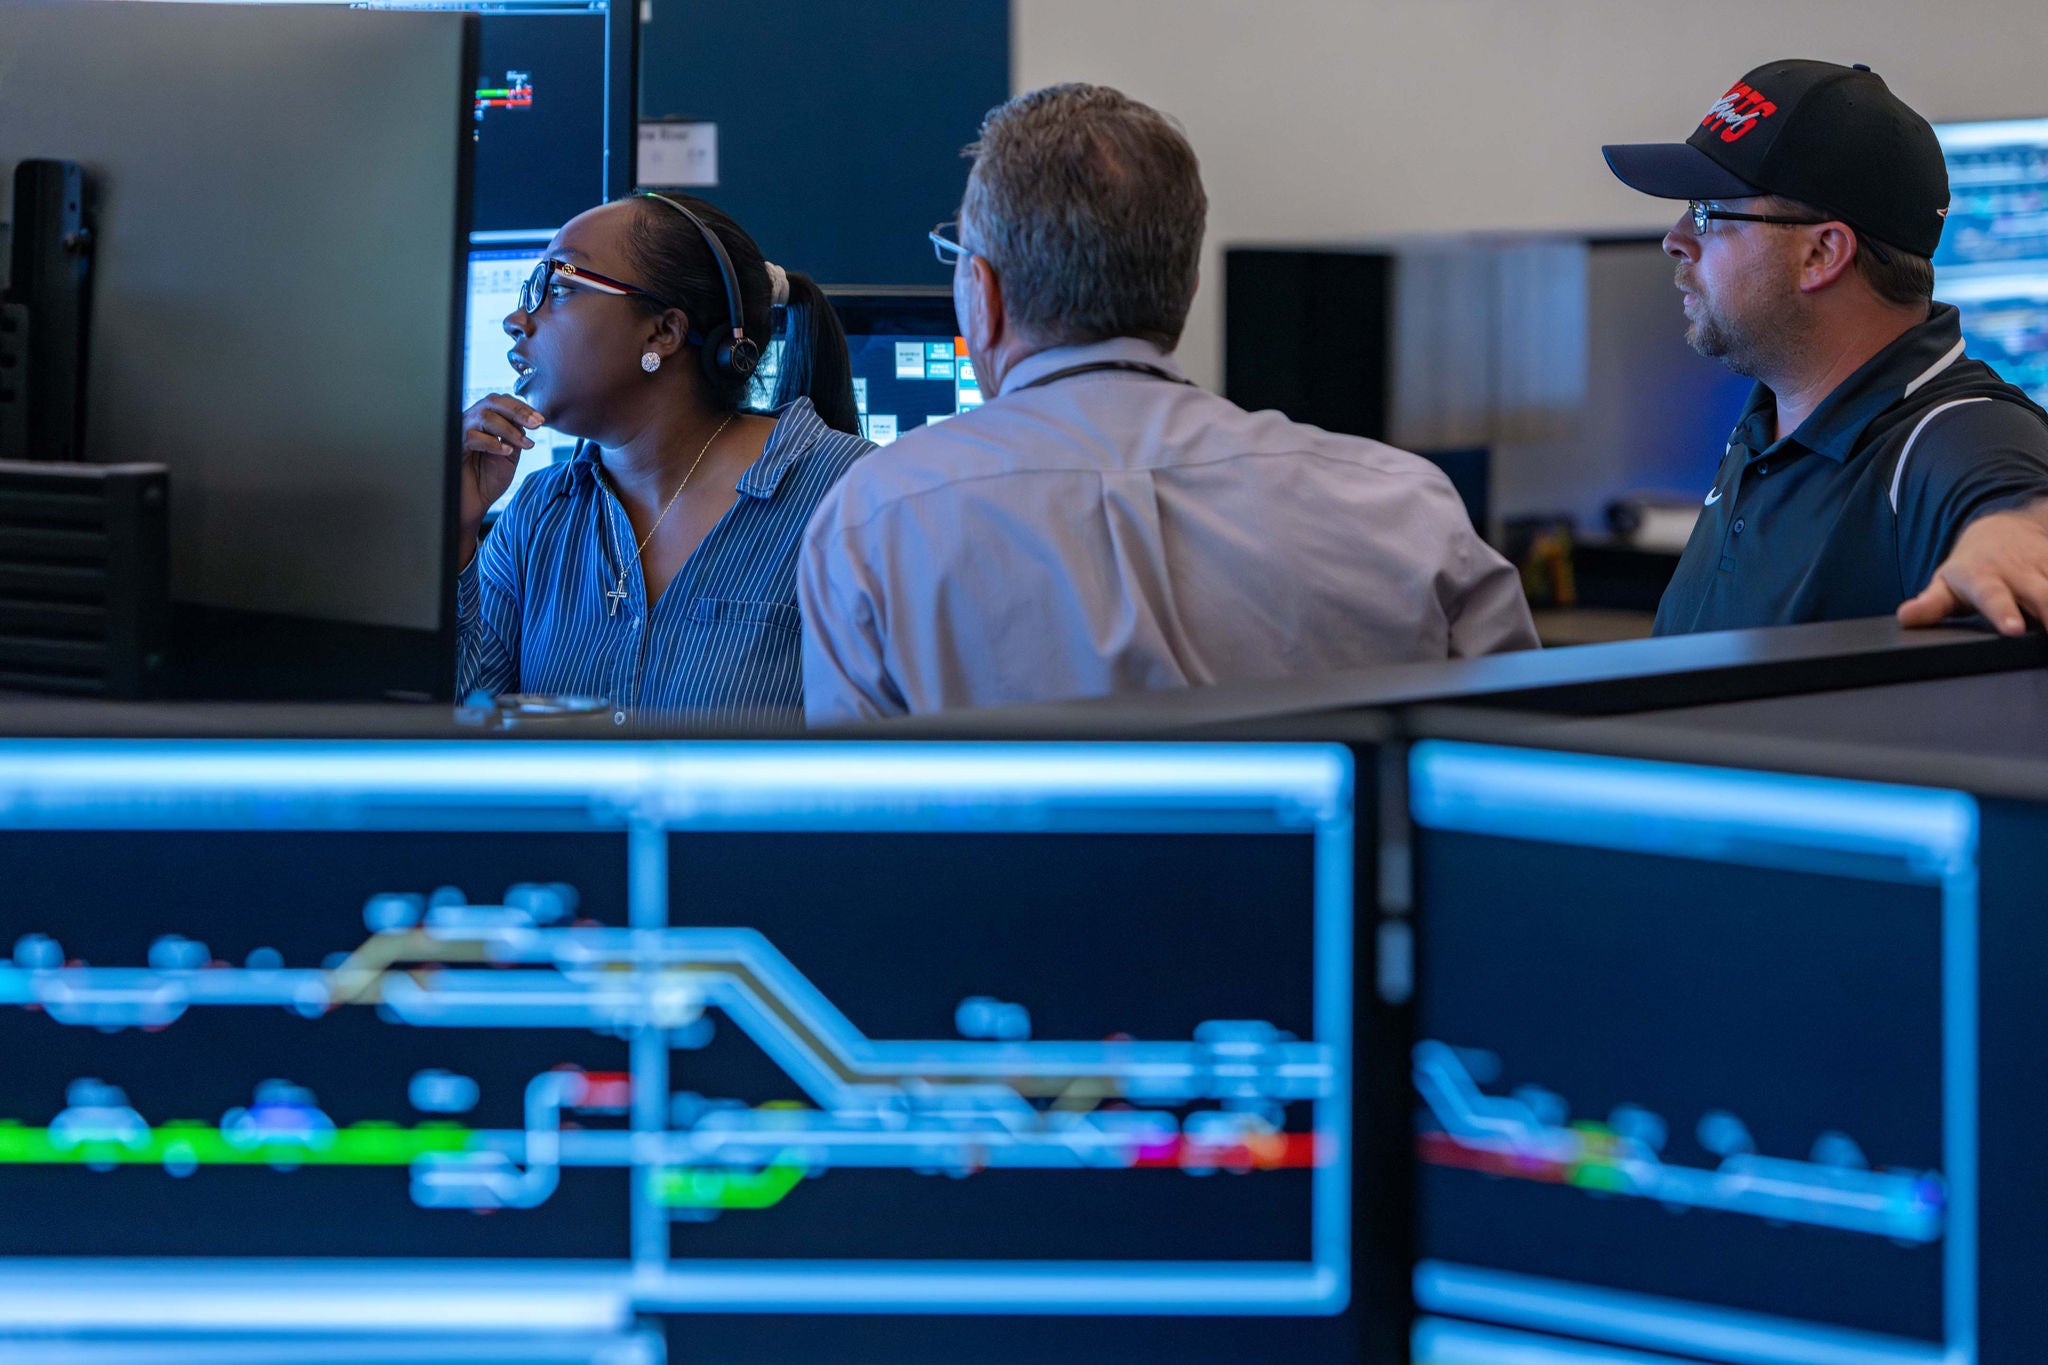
<point x="1321" y="120"/>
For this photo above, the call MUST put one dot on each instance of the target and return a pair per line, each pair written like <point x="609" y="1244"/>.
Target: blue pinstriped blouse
<point x="724" y="641"/>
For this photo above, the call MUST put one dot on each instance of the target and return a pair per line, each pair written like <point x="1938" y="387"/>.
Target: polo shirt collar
<point x="1835" y="427"/>
<point x="1039" y="364"/>
<point x="797" y="428"/>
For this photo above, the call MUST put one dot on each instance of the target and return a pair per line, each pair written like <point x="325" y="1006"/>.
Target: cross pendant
<point x="617" y="596"/>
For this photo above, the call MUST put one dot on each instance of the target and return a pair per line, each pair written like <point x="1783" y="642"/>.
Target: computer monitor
<point x="554" y="122"/>
<point x="282" y="198"/>
<point x="495" y="275"/>
<point x="554" y="113"/>
<point x="1993" y="259"/>
<point x="910" y="364"/>
<point x="1698" y="1063"/>
<point x="556" y="107"/>
<point x="817" y="1052"/>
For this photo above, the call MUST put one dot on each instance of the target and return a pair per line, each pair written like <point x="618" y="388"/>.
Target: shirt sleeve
<point x="846" y="677"/>
<point x="1489" y="614"/>
<point x="487" y="615"/>
<point x="1969" y="460"/>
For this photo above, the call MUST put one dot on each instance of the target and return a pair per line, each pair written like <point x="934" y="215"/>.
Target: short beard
<point x="1727" y="342"/>
<point x="1756" y="347"/>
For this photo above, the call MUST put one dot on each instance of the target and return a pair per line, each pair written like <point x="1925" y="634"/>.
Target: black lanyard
<point x="1096" y="366"/>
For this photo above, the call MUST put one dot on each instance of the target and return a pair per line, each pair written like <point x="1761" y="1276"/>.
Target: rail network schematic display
<point x="551" y="80"/>
<point x="1993" y="259"/>
<point x="1698" y="1064"/>
<point x="797" y="1042"/>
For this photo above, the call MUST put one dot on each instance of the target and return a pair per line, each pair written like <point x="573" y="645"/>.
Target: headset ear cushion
<point x="742" y="358"/>
<point x="726" y="361"/>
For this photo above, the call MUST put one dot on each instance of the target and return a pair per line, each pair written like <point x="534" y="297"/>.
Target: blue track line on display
<point x="1642" y="1320"/>
<point x="1218" y="1100"/>
<point x="1823" y="825"/>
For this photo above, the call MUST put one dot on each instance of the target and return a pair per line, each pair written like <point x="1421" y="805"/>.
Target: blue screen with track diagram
<point x="828" y="1052"/>
<point x="1697" y="1070"/>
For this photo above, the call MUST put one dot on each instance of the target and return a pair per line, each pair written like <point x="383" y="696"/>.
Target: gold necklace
<point x="618" y="594"/>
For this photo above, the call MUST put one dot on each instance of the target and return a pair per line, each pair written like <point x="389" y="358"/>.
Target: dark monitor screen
<point x="820" y="1052"/>
<point x="1697" y="1065"/>
<point x="554" y="114"/>
<point x="556" y="108"/>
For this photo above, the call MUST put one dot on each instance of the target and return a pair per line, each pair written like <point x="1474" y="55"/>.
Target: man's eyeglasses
<point x="946" y="243"/>
<point x="1703" y="213"/>
<point x="534" y="292"/>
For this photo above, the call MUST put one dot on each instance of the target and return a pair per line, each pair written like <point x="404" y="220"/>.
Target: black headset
<point x="728" y="360"/>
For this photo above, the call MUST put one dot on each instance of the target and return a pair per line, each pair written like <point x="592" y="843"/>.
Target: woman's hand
<point x="493" y="435"/>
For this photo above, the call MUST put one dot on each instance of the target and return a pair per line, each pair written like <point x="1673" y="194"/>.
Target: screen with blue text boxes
<point x="1697" y="1064"/>
<point x="1993" y="259"/>
<point x="810" y="1045"/>
<point x="910" y="366"/>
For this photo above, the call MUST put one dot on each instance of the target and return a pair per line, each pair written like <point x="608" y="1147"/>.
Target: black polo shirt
<point x="1851" y="514"/>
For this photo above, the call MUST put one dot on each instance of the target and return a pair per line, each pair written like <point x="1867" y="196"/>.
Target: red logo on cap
<point x="1738" y="111"/>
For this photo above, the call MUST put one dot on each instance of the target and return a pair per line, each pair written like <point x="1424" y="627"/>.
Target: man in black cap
<point x="1875" y="467"/>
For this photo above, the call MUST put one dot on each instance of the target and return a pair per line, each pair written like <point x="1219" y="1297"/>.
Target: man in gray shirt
<point x="1100" y="524"/>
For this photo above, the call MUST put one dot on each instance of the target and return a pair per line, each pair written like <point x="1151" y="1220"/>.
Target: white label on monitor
<point x="909" y="360"/>
<point x="679" y="155"/>
<point x="881" y="428"/>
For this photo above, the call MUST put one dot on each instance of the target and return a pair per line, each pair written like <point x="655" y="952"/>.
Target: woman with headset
<point x="657" y="568"/>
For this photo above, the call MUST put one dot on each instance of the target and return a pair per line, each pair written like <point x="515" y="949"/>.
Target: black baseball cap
<point x="1835" y="137"/>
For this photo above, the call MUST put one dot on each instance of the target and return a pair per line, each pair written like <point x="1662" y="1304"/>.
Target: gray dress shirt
<point x="1114" y="532"/>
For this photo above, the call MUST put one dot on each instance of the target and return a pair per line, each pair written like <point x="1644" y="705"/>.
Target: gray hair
<point x="1089" y="206"/>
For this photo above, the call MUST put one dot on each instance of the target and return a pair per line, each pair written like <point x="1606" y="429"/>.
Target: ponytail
<point x="815" y="363"/>
<point x="678" y="266"/>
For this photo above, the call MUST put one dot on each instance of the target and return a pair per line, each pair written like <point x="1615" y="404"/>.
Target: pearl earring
<point x="650" y="362"/>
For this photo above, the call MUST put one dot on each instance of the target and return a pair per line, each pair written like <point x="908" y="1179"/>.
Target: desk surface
<point x="1700" y="671"/>
<point x="1992" y="715"/>
<point x="1598" y="679"/>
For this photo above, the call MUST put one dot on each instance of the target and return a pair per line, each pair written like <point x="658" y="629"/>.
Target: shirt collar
<point x="1834" y="428"/>
<point x="1039" y="364"/>
<point x="797" y="428"/>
